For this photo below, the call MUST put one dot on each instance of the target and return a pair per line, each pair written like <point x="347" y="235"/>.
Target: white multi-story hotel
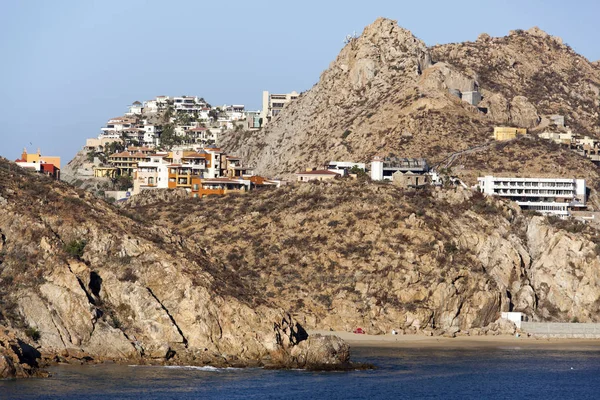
<point x="555" y="196"/>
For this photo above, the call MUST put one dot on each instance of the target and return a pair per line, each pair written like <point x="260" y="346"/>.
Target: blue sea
<point x="474" y="373"/>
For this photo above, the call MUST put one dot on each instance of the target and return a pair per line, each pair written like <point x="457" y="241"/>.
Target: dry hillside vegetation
<point x="347" y="254"/>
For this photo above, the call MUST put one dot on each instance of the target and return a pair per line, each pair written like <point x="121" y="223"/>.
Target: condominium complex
<point x="557" y="196"/>
<point x="272" y="104"/>
<point x="203" y="172"/>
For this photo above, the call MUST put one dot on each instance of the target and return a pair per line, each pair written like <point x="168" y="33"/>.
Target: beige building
<point x="272" y="104"/>
<point x="316" y="175"/>
<point x="97" y="144"/>
<point x="410" y="179"/>
<point x="502" y="133"/>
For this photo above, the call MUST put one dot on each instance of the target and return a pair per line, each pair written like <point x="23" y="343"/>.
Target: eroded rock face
<point x="17" y="358"/>
<point x="96" y="285"/>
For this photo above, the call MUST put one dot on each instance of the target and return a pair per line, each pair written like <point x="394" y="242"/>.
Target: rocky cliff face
<point x="388" y="93"/>
<point x="528" y="75"/>
<point x="342" y="255"/>
<point x="86" y="282"/>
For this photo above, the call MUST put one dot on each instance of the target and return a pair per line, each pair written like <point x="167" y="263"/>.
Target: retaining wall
<point x="558" y="329"/>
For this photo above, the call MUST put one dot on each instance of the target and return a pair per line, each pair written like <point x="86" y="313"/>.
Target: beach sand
<point x="499" y="341"/>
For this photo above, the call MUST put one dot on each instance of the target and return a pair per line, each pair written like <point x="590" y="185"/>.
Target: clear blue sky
<point x="68" y="66"/>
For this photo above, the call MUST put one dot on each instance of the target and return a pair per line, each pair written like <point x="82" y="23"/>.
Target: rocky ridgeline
<point x="343" y="255"/>
<point x="83" y="282"/>
<point x="529" y="75"/>
<point x="388" y="93"/>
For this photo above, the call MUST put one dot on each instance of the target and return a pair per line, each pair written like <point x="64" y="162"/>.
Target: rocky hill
<point x="387" y="92"/>
<point x="353" y="253"/>
<point x="80" y="280"/>
<point x="530" y="73"/>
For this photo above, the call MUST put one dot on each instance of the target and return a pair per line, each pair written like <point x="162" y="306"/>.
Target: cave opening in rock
<point x="95" y="284"/>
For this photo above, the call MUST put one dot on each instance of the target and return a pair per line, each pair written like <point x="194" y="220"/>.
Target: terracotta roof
<point x="194" y="155"/>
<point x="317" y="172"/>
<point x="139" y="155"/>
<point x="220" y="180"/>
<point x="122" y="154"/>
<point x="143" y="148"/>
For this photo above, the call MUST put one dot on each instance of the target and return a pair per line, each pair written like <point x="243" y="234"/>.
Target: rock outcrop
<point x="95" y="284"/>
<point x="17" y="358"/>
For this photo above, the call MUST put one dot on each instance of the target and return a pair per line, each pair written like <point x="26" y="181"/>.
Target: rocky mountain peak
<point x="383" y="94"/>
<point x="383" y="47"/>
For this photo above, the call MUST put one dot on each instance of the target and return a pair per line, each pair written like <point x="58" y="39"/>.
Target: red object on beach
<point x="359" y="331"/>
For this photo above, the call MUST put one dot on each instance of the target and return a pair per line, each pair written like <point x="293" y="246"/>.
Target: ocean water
<point x="480" y="373"/>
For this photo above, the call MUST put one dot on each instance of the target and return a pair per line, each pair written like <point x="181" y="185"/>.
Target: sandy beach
<point x="500" y="341"/>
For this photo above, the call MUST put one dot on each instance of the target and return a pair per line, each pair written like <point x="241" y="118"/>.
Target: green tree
<point x="122" y="182"/>
<point x="360" y="173"/>
<point x="168" y="137"/>
<point x="168" y="113"/>
<point x="75" y="248"/>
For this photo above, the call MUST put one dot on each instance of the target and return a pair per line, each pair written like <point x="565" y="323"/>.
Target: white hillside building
<point x="556" y="196"/>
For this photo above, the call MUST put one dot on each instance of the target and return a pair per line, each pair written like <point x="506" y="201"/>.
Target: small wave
<point x="207" y="368"/>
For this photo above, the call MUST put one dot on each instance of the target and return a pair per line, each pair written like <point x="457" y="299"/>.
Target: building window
<point x="195" y="187"/>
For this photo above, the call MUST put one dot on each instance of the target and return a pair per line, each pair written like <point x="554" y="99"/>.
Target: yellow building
<point x="507" y="133"/>
<point x="38" y="158"/>
<point x="104" y="172"/>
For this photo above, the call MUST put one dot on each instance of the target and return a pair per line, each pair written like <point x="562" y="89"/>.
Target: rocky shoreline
<point x="295" y="349"/>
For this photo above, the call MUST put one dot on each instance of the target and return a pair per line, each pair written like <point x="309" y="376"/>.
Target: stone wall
<point x="560" y="330"/>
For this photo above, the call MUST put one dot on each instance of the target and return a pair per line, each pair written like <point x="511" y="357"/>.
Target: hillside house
<point x="272" y="104"/>
<point x="343" y="167"/>
<point x="502" y="133"/>
<point x="47" y="165"/>
<point x="410" y="179"/>
<point x="383" y="168"/>
<point x="316" y="175"/>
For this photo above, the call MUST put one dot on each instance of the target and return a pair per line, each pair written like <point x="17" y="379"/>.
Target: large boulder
<point x="296" y="349"/>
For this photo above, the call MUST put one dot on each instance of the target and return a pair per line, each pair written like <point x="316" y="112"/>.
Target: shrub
<point x="115" y="322"/>
<point x="75" y="248"/>
<point x="33" y="334"/>
<point x="450" y="248"/>
<point x="129" y="276"/>
<point x="346" y="134"/>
